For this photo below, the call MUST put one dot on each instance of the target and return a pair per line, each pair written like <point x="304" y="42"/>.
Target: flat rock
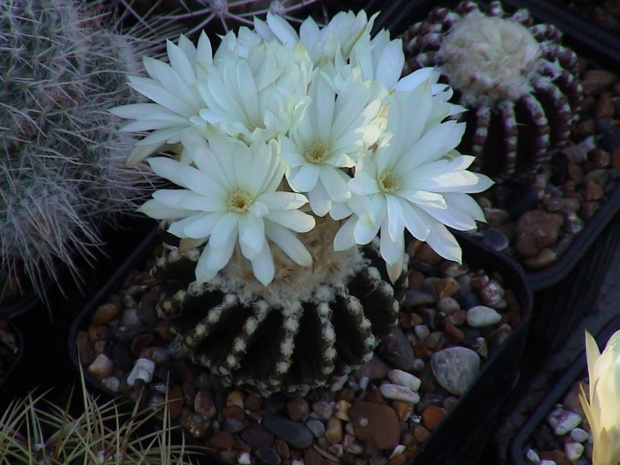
<point x="455" y="368"/>
<point x="396" y="350"/>
<point x="375" y="423"/>
<point x="294" y="434"/>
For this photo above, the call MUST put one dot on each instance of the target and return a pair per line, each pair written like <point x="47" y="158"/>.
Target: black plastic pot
<point x="461" y="436"/>
<point x="576" y="371"/>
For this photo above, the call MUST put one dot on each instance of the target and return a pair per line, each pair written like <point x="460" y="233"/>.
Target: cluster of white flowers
<point x="277" y="119"/>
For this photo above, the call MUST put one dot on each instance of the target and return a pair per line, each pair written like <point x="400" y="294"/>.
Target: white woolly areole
<point x="293" y="283"/>
<point x="489" y="59"/>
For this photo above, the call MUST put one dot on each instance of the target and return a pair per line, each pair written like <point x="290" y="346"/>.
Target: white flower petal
<point x="158" y="94"/>
<point x="156" y="210"/>
<point x="251" y="235"/>
<point x="392" y="250"/>
<point x="340" y="211"/>
<point x="212" y="260"/>
<point x="283" y="200"/>
<point x="335" y="181"/>
<point x="294" y="220"/>
<point x="396" y="216"/>
<point x="289" y="243"/>
<point x="320" y="202"/>
<point x="467" y="204"/>
<point x="202" y="226"/>
<point x="225" y="227"/>
<point x="306" y="178"/>
<point x="345" y="238"/>
<point x="263" y="266"/>
<point x="363" y="185"/>
<point x="365" y="233"/>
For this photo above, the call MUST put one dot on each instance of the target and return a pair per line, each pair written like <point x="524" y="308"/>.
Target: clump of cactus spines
<point x="221" y="14"/>
<point x="62" y="156"/>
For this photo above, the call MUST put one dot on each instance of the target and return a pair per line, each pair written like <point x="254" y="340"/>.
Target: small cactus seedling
<point x="62" y="156"/>
<point x="515" y="77"/>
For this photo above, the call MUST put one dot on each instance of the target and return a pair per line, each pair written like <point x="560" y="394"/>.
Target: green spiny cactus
<point x="62" y="155"/>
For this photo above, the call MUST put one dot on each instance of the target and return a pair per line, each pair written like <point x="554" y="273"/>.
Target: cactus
<point x="222" y="15"/>
<point x="306" y="329"/>
<point x="519" y="82"/>
<point x="62" y="167"/>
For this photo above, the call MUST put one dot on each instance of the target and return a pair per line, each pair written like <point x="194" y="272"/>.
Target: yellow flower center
<point x="317" y="152"/>
<point x="389" y="182"/>
<point x="239" y="202"/>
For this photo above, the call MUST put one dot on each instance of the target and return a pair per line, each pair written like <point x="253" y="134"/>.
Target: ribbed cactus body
<point x="62" y="155"/>
<point x="309" y="327"/>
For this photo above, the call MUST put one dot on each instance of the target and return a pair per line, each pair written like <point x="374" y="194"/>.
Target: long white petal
<point x="320" y="201"/>
<point x="345" y="238"/>
<point x="213" y="260"/>
<point x="263" y="266"/>
<point x="306" y="178"/>
<point x="251" y="235"/>
<point x="156" y="210"/>
<point x="202" y="226"/>
<point x="225" y="227"/>
<point x="289" y="243"/>
<point x="396" y="217"/>
<point x="335" y="181"/>
<point x="283" y="200"/>
<point x="392" y="250"/>
<point x="294" y="220"/>
<point x="159" y="94"/>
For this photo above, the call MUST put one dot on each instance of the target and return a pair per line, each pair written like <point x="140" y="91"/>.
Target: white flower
<point x="601" y="406"/>
<point x="230" y="198"/>
<point x="173" y="89"/>
<point x="334" y="132"/>
<point x="258" y="97"/>
<point x="323" y="44"/>
<point x="410" y="183"/>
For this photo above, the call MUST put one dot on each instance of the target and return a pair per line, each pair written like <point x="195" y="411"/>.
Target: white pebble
<point x="244" y="458"/>
<point x="363" y="382"/>
<point x="573" y="450"/>
<point x="562" y="421"/>
<point x="395" y="392"/>
<point x="481" y="316"/>
<point x="398" y="450"/>
<point x="547" y="462"/>
<point x="532" y="456"/>
<point x="579" y="435"/>
<point x="143" y="370"/>
<point x="402" y="378"/>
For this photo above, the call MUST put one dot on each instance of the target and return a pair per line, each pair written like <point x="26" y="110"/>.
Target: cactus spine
<point x="62" y="156"/>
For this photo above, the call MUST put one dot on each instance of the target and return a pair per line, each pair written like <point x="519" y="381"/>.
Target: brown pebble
<point x="557" y="455"/>
<point x="399" y="459"/>
<point x="574" y="172"/>
<point x="254" y="402"/>
<point x="453" y="333"/>
<point x="402" y="409"/>
<point x="592" y="191"/>
<point x="101" y="367"/>
<point x="604" y="107"/>
<point x="432" y="416"/>
<point x="427" y="255"/>
<point x="104" y="313"/>
<point x="98" y="333"/>
<point x="175" y="401"/>
<point x="329" y="457"/>
<point x="312" y="457"/>
<point x="416" y="279"/>
<point x="457" y="318"/>
<point x="203" y="403"/>
<point x="342" y="410"/>
<point x="596" y="81"/>
<point x="281" y="448"/>
<point x="576" y="153"/>
<point x="375" y="423"/>
<point x="235" y="398"/>
<point x="195" y="424"/>
<point x="448" y="287"/>
<point x="600" y="158"/>
<point x="221" y="440"/>
<point x="232" y="411"/>
<point x="141" y="342"/>
<point x="162" y="329"/>
<point x="297" y="409"/>
<point x="586" y="127"/>
<point x="420" y="433"/>
<point x="85" y="350"/>
<point x="333" y="430"/>
<point x="373" y="394"/>
<point x="588" y="209"/>
<point x="537" y="229"/>
<point x="542" y="259"/>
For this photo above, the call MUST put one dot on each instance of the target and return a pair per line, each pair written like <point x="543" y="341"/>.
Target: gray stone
<point x="396" y="350"/>
<point x="142" y="370"/>
<point x="455" y="368"/>
<point x="317" y="427"/>
<point x="481" y="316"/>
<point x="294" y="434"/>
<point x="402" y="378"/>
<point x="402" y="393"/>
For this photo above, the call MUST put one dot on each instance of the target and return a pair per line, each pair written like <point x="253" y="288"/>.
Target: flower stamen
<point x="239" y="202"/>
<point x="389" y="182"/>
<point x="317" y="153"/>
